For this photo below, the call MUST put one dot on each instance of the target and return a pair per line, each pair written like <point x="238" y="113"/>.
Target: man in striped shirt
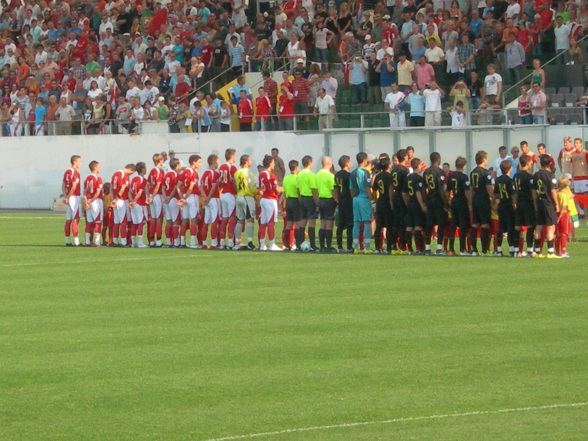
<point x="300" y="89"/>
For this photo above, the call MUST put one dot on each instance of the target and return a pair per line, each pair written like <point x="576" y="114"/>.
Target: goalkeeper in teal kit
<point x="359" y="184"/>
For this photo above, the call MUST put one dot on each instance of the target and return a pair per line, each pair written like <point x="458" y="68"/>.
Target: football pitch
<point x="178" y="344"/>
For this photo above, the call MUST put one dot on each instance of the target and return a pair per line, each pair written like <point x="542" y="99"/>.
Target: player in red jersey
<point x="541" y="149"/>
<point x="267" y="182"/>
<point x="138" y="205"/>
<point x="245" y="108"/>
<point x="93" y="204"/>
<point x="525" y="151"/>
<point x="120" y="202"/>
<point x="210" y="192"/>
<point x="155" y="201"/>
<point x="187" y="188"/>
<point x="228" y="200"/>
<point x="170" y="200"/>
<point x="70" y="188"/>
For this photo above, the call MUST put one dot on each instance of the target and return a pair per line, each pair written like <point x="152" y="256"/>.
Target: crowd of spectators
<point x="101" y="66"/>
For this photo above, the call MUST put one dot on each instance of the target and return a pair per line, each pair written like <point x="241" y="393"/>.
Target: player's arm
<point x="405" y="196"/>
<point x="468" y="194"/>
<point x="419" y="195"/>
<point x="390" y="194"/>
<point x="137" y="196"/>
<point x="490" y="190"/>
<point x="553" y="193"/>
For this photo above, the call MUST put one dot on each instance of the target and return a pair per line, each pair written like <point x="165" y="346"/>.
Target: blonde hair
<point x="563" y="183"/>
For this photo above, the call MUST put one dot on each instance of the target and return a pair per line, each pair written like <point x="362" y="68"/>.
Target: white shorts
<point x="120" y="211"/>
<point x="172" y="210"/>
<point x="269" y="211"/>
<point x="228" y="202"/>
<point x="73" y="208"/>
<point x="245" y="207"/>
<point x="580" y="185"/>
<point x="138" y="214"/>
<point x="212" y="211"/>
<point x="156" y="207"/>
<point x="94" y="213"/>
<point x="191" y="207"/>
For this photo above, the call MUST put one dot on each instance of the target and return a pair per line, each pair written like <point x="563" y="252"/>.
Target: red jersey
<point x="245" y="111"/>
<point x="93" y="187"/>
<point x="155" y="177"/>
<point x="170" y="181"/>
<point x="267" y="182"/>
<point x="119" y="180"/>
<point x="137" y="184"/>
<point x="286" y="109"/>
<point x="263" y="106"/>
<point x="226" y="172"/>
<point x="71" y="177"/>
<point x="210" y="178"/>
<point x="187" y="178"/>
<point x="390" y="35"/>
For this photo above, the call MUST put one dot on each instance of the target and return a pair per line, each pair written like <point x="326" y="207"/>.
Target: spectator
<point x="435" y="56"/>
<point x="420" y="48"/>
<point x="502" y="156"/>
<point x="492" y="85"/>
<point x="325" y="107"/>
<point x="515" y="57"/>
<point x="225" y="117"/>
<point x="394" y="104"/>
<point x="236" y="56"/>
<point x="406" y="72"/>
<point x="358" y="79"/>
<point x="330" y="85"/>
<point x="271" y="89"/>
<point x="369" y="47"/>
<point x="39" y="112"/>
<point x="235" y="91"/>
<point x="458" y="115"/>
<point x="200" y="118"/>
<point x="466" y="55"/>
<point x="263" y="106"/>
<point x="17" y="119"/>
<point x="314" y="84"/>
<point x="245" y="109"/>
<point x="65" y="114"/>
<point x="182" y="90"/>
<point x="486" y="112"/>
<point x="123" y="114"/>
<point x="524" y="106"/>
<point x="388" y="75"/>
<point x="286" y="109"/>
<point x="417" y="106"/>
<point x="374" y="92"/>
<point x="433" y="97"/>
<point x="538" y="75"/>
<point x="460" y="92"/>
<point x="575" y="54"/>
<point x="538" y="103"/>
<point x="300" y="88"/>
<point x="50" y="116"/>
<point x="424" y="72"/>
<point x="562" y="40"/>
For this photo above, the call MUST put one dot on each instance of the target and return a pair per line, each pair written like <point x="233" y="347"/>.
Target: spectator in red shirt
<point x="182" y="90"/>
<point x="271" y="90"/>
<point x="245" y="109"/>
<point x="286" y="109"/>
<point x="300" y="89"/>
<point x="263" y="106"/>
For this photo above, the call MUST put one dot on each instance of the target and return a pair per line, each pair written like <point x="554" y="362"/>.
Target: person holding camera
<point x="358" y="68"/>
<point x="460" y="92"/>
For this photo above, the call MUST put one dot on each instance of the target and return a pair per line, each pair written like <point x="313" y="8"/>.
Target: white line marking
<point x="401" y="420"/>
<point x="194" y="256"/>
<point x="24" y="216"/>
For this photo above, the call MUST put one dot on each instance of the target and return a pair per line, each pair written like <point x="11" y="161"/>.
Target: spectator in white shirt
<point x="433" y="97"/>
<point x="562" y="39"/>
<point x="325" y="107"/>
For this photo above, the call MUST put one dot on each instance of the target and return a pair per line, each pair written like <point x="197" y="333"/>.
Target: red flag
<point x="582" y="198"/>
<point x="159" y="18"/>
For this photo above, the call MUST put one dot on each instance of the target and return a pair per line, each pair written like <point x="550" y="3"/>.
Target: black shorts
<point x="481" y="212"/>
<point x="460" y="216"/>
<point x="525" y="215"/>
<point x="292" y="209"/>
<point x="308" y="208"/>
<point x="545" y="213"/>
<point x="436" y="215"/>
<point x="345" y="218"/>
<point x="384" y="216"/>
<point x="506" y="217"/>
<point x="415" y="217"/>
<point x="399" y="211"/>
<point x="327" y="209"/>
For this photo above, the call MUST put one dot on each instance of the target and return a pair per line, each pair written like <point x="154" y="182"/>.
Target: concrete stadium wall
<point x="30" y="175"/>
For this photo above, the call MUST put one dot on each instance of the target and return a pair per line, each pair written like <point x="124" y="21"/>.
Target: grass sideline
<point x="128" y="344"/>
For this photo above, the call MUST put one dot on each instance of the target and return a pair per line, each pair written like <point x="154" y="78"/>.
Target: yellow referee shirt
<point x="306" y="182"/>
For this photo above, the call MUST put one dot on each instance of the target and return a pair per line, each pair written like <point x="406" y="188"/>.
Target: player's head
<point x="541" y="148"/>
<point x="567" y="142"/>
<point x="268" y="162"/>
<point x="293" y="165"/>
<point x="157" y="159"/>
<point x="75" y="161"/>
<point x="545" y="161"/>
<point x="174" y="164"/>
<point x="460" y="163"/>
<point x="94" y="166"/>
<point x="505" y="167"/>
<point x="415" y="163"/>
<point x="130" y="169"/>
<point x="563" y="183"/>
<point x="502" y="151"/>
<point x="307" y="161"/>
<point x="524" y="162"/>
<point x="275" y="152"/>
<point x="344" y="162"/>
<point x="230" y="154"/>
<point x="326" y="162"/>
<point x="435" y="158"/>
<point x="106" y="187"/>
<point x="212" y="161"/>
<point x="410" y="152"/>
<point x="195" y="161"/>
<point x="524" y="146"/>
<point x="446" y="167"/>
<point x="578" y="144"/>
<point x="141" y="168"/>
<point x="401" y="155"/>
<point x="481" y="157"/>
<point x="385" y="164"/>
<point x="245" y="161"/>
<point x="383" y="156"/>
<point x="361" y="159"/>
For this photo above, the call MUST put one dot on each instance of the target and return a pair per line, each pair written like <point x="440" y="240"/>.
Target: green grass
<point x="129" y="344"/>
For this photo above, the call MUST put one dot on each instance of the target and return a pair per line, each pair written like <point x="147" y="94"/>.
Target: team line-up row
<point x="404" y="199"/>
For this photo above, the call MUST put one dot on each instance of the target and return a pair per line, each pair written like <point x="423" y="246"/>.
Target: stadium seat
<point x="549" y="90"/>
<point x="556" y="99"/>
<point x="561" y="119"/>
<point x="578" y="90"/>
<point x="576" y="118"/>
<point x="571" y="99"/>
<point x="563" y="90"/>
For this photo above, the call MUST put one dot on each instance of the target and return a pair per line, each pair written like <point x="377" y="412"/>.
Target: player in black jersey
<point x="525" y="208"/>
<point x="460" y="196"/>
<point x="436" y="201"/>
<point x="482" y="191"/>
<point x="545" y="186"/>
<point x="504" y="195"/>
<point x="415" y="204"/>
<point x="399" y="174"/>
<point x="382" y="184"/>
<point x="345" y="204"/>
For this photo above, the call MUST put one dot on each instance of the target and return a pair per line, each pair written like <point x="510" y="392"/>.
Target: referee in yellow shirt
<point x="246" y="190"/>
<point x="325" y="182"/>
<point x="308" y="201"/>
<point x="290" y="184"/>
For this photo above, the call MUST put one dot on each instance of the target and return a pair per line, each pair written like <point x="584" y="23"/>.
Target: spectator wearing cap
<point x="378" y="29"/>
<point x="300" y="67"/>
<point x="368" y="48"/>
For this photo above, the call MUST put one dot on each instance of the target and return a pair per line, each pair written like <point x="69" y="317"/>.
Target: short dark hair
<point x="292" y="165"/>
<point x="267" y="160"/>
<point x="361" y="157"/>
<point x="460" y="162"/>
<point x="480" y="157"/>
<point x="545" y="161"/>
<point x="194" y="158"/>
<point x="435" y="158"/>
<point x="344" y="161"/>
<point x="415" y="163"/>
<point x="401" y="155"/>
<point x="306" y="160"/>
<point x="524" y="160"/>
<point x="505" y="166"/>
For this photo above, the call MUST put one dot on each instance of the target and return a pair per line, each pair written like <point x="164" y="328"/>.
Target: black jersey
<point x="413" y="185"/>
<point x="459" y="184"/>
<point x="342" y="184"/>
<point x="399" y="174"/>
<point x="480" y="178"/>
<point x="524" y="187"/>
<point x="544" y="182"/>
<point x="382" y="186"/>
<point x="504" y="189"/>
<point x="434" y="181"/>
